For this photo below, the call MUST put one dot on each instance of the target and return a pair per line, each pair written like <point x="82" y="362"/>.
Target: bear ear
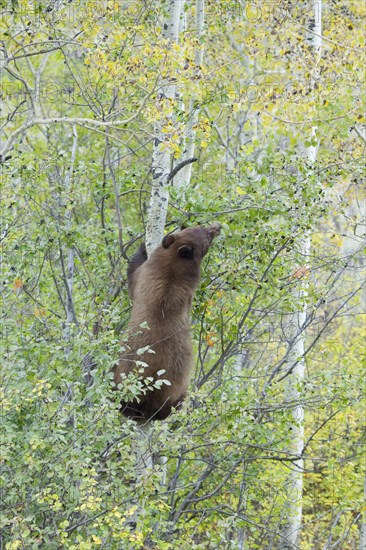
<point x="186" y="251"/>
<point x="167" y="241"/>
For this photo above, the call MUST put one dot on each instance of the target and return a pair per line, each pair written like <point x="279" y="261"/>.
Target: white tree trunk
<point x="159" y="198"/>
<point x="363" y="523"/>
<point x="69" y="272"/>
<point x="293" y="389"/>
<point x="70" y="311"/>
<point x="161" y="158"/>
<point x="183" y="178"/>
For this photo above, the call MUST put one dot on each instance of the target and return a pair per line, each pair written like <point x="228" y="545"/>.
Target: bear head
<point x="183" y="251"/>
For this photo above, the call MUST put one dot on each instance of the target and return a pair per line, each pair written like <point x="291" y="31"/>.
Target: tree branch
<point x="178" y="167"/>
<point x="84" y="122"/>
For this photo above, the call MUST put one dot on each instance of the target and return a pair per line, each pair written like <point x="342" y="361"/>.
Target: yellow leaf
<point x="39" y="312"/>
<point x="316" y="238"/>
<point x="209" y="339"/>
<point x="336" y="239"/>
<point x="18" y="283"/>
<point x="302" y="271"/>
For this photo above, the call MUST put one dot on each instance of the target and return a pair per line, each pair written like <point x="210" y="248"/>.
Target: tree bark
<point x="70" y="310"/>
<point x="296" y="339"/>
<point x="183" y="179"/>
<point x="162" y="173"/>
<point x="161" y="157"/>
<point x="363" y="523"/>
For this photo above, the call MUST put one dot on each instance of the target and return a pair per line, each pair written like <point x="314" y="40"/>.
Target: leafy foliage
<point x="85" y="76"/>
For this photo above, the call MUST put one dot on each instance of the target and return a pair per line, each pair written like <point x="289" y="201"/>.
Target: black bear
<point x="162" y="288"/>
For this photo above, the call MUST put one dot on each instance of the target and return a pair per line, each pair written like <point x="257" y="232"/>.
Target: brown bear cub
<point x="162" y="288"/>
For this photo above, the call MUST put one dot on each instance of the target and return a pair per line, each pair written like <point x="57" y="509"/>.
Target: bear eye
<point x="186" y="251"/>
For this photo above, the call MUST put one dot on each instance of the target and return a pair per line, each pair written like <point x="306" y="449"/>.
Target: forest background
<point x="101" y="100"/>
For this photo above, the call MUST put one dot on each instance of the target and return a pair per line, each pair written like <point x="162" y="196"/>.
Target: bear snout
<point x="214" y="230"/>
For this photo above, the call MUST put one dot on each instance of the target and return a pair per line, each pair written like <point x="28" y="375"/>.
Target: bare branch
<point x="178" y="167"/>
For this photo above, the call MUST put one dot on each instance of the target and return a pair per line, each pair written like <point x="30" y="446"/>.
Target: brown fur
<point x="162" y="289"/>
